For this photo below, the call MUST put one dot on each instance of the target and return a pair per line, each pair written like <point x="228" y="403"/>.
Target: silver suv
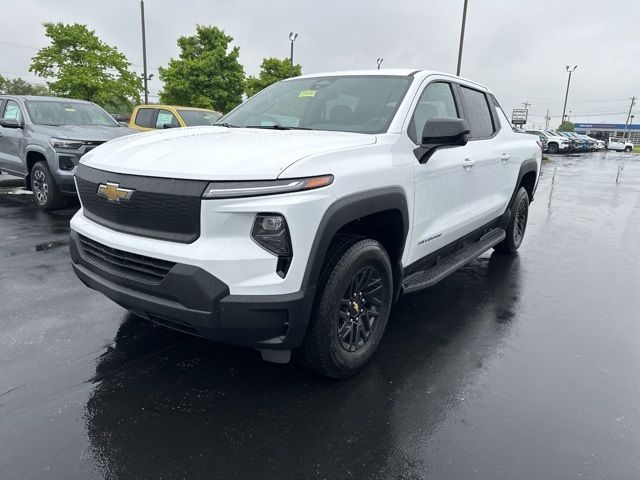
<point x="43" y="138"/>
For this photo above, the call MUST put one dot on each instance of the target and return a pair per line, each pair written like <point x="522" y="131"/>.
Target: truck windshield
<point x="194" y="118"/>
<point x="358" y="103"/>
<point x="68" y="113"/>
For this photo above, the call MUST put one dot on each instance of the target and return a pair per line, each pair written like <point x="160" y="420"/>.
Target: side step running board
<point x="451" y="263"/>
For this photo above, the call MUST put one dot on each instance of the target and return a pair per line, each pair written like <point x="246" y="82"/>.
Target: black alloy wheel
<point x="360" y="308"/>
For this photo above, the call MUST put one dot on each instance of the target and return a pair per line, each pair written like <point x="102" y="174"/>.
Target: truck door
<point x="10" y="139"/>
<point x="446" y="184"/>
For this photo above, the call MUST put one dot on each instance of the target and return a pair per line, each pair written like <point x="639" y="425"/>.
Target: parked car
<point x="553" y="143"/>
<point x="302" y="236"/>
<point x="153" y="117"/>
<point x="619" y="144"/>
<point x="43" y="138"/>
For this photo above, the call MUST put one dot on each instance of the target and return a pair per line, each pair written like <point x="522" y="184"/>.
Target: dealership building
<point x="605" y="130"/>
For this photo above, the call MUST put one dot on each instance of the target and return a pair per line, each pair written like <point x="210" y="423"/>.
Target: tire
<point x="517" y="224"/>
<point x="552" y="148"/>
<point x="627" y="149"/>
<point x="45" y="190"/>
<point x="351" y="309"/>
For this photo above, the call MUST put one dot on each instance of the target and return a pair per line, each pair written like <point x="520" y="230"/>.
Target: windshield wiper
<point x="277" y="127"/>
<point x="225" y="124"/>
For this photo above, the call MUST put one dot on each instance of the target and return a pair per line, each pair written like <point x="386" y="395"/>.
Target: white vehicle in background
<point x="619" y="145"/>
<point x="554" y="143"/>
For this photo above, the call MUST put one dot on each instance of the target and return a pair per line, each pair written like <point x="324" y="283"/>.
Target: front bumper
<point x="192" y="300"/>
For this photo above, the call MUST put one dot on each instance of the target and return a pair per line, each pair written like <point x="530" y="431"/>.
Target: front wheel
<point x="517" y="224"/>
<point x="627" y="149"/>
<point x="46" y="193"/>
<point x="552" y="148"/>
<point x="351" y="310"/>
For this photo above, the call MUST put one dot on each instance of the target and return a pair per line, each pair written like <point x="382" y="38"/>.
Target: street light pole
<point x="464" y="21"/>
<point x="379" y="62"/>
<point x="566" y="95"/>
<point x="145" y="77"/>
<point x="292" y="38"/>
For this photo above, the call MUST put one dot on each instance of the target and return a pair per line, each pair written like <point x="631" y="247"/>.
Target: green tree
<point x="18" y="86"/>
<point x="86" y="68"/>
<point x="565" y="127"/>
<point x="272" y="70"/>
<point x="207" y="73"/>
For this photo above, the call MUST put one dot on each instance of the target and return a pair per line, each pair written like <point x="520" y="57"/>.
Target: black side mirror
<point x="10" y="123"/>
<point x="167" y="125"/>
<point x="443" y="131"/>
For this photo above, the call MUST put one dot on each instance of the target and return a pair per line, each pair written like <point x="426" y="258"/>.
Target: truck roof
<point x="403" y="72"/>
<point x="43" y="98"/>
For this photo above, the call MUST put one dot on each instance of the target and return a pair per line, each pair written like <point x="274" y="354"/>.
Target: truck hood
<point x="85" y="132"/>
<point x="217" y="153"/>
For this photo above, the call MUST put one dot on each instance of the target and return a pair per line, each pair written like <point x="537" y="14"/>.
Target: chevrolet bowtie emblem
<point x="114" y="193"/>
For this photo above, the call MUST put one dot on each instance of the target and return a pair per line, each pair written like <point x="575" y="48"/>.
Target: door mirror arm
<point x="441" y="132"/>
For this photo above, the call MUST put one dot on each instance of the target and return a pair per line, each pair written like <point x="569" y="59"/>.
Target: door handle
<point x="505" y="157"/>
<point x="467" y="164"/>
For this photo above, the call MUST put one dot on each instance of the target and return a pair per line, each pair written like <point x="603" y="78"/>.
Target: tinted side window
<point x="436" y="101"/>
<point x="165" y="117"/>
<point x="477" y="113"/>
<point x="144" y="117"/>
<point x="12" y="111"/>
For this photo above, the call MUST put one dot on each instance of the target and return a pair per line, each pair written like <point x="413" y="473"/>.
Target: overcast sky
<point x="518" y="48"/>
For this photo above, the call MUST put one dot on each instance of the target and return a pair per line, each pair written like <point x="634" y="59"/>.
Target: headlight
<point x="264" y="187"/>
<point x="63" y="143"/>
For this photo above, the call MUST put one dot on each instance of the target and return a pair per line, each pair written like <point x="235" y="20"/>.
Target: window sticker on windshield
<point x="307" y="93"/>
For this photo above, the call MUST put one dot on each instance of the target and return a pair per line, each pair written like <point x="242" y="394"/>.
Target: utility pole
<point x="464" y="21"/>
<point x="379" y="62"/>
<point x="566" y="95"/>
<point x="292" y="38"/>
<point x="145" y="77"/>
<point x="547" y="118"/>
<point x="626" y="123"/>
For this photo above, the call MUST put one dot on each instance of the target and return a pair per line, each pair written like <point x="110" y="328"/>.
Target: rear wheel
<point x="517" y="224"/>
<point x="46" y="193"/>
<point x="351" y="310"/>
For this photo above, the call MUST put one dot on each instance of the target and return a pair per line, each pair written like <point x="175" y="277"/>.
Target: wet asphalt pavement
<point x="524" y="367"/>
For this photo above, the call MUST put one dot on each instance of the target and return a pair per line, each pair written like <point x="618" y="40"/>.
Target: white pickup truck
<point x="297" y="221"/>
<point x="619" y="144"/>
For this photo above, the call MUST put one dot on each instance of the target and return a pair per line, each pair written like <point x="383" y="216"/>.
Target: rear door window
<point x="477" y="113"/>
<point x="144" y="117"/>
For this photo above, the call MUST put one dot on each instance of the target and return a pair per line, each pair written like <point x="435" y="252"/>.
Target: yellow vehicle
<point x="152" y="117"/>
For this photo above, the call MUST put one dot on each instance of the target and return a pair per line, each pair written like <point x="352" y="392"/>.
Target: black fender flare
<point x="528" y="166"/>
<point x="345" y="210"/>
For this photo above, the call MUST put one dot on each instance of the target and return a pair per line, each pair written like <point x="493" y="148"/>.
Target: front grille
<point x="162" y="208"/>
<point x="130" y="265"/>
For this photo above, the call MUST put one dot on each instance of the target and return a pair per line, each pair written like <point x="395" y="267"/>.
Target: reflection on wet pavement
<point x="514" y="367"/>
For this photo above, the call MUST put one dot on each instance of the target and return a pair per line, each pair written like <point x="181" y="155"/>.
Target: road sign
<point x="519" y="116"/>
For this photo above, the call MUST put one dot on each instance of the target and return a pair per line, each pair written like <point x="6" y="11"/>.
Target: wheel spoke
<point x="344" y="331"/>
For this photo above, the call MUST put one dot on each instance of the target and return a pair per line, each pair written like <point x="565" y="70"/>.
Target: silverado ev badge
<point x="114" y="193"/>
